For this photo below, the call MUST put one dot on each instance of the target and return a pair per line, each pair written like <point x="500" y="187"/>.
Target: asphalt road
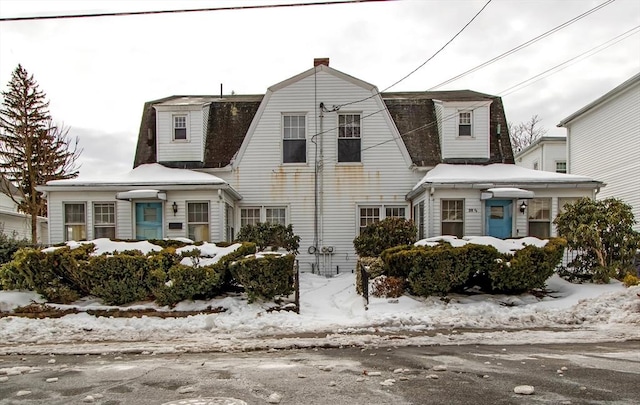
<point x="467" y="375"/>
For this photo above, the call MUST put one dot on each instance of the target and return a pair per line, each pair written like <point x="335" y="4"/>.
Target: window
<point x="179" y="127"/>
<point x="349" y="138"/>
<point x="75" y="224"/>
<point x="453" y="217"/>
<point x="104" y="220"/>
<point x="229" y="214"/>
<point x="198" y="221"/>
<point x="539" y="214"/>
<point x="395" y="212"/>
<point x="464" y="123"/>
<point x="368" y="216"/>
<point x="561" y="167"/>
<point x="276" y="216"/>
<point x="249" y="216"/>
<point x="418" y="217"/>
<point x="294" y="143"/>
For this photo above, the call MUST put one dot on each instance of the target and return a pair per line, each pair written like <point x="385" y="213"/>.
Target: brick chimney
<point x="320" y="61"/>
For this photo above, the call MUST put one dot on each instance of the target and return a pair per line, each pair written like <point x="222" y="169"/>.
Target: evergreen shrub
<point x="268" y="235"/>
<point x="385" y="234"/>
<point x="265" y="277"/>
<point x="119" y="279"/>
<point x="373" y="267"/>
<point x="438" y="270"/>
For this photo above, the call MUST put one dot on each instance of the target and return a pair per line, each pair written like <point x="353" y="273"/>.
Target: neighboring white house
<point x="327" y="153"/>
<point x="548" y="153"/>
<point x="14" y="223"/>
<point x="603" y="141"/>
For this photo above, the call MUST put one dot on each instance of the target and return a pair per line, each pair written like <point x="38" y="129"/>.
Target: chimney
<point x="320" y="61"/>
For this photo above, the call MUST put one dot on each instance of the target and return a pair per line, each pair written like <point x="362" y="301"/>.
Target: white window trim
<point x="565" y="166"/>
<point x="463" y="221"/>
<point x="186" y="206"/>
<point x="263" y="212"/>
<point x="173" y="123"/>
<point x="471" y="129"/>
<point x="93" y="218"/>
<point x="337" y="137"/>
<point x="64" y="219"/>
<point x="383" y="211"/>
<point x="306" y="138"/>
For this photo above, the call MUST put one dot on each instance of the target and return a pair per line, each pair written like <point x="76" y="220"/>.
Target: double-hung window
<point x="294" y="142"/>
<point x="179" y="127"/>
<point x="198" y="221"/>
<point x="349" y="149"/>
<point x="395" y="212"/>
<point x="539" y="214"/>
<point x="75" y="221"/>
<point x="561" y="166"/>
<point x="453" y="218"/>
<point x="249" y="216"/>
<point x="104" y="220"/>
<point x="368" y="216"/>
<point x="276" y="215"/>
<point x="464" y="123"/>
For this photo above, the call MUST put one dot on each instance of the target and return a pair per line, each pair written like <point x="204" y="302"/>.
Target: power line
<point x="423" y="63"/>
<point x="195" y="10"/>
<point x="524" y="45"/>
<point x="518" y="86"/>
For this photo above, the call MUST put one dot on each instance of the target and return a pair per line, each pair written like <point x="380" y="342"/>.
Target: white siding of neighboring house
<point x="474" y="146"/>
<point x="383" y="177"/>
<point x="125" y="215"/>
<point x="17" y="224"/>
<point x="169" y="150"/>
<point x="604" y="143"/>
<point x="546" y="154"/>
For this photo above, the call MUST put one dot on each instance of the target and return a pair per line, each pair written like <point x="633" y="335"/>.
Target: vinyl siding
<point x="190" y="150"/>
<point x="383" y="176"/>
<point x="546" y="154"/>
<point x="474" y="146"/>
<point x="604" y="143"/>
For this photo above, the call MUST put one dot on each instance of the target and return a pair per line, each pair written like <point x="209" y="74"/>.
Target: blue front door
<point x="499" y="214"/>
<point x="149" y="220"/>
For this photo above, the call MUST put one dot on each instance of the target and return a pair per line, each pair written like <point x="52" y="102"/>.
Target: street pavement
<point x="604" y="373"/>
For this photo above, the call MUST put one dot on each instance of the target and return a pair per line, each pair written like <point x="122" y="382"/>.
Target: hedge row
<point x="65" y="275"/>
<point x="442" y="269"/>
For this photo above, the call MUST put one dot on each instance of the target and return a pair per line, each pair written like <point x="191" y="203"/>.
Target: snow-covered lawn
<point x="332" y="314"/>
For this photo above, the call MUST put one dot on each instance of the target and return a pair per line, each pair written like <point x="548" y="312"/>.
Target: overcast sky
<point x="98" y="72"/>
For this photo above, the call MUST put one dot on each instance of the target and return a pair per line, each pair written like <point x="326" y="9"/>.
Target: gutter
<point x="479" y="186"/>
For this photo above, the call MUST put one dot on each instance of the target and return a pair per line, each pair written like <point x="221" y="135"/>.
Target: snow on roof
<point x="496" y="173"/>
<point x="147" y="174"/>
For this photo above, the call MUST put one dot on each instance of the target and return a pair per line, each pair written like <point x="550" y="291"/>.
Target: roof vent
<point x="320" y="61"/>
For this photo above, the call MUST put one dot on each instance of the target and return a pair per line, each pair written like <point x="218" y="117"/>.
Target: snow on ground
<point x="332" y="314"/>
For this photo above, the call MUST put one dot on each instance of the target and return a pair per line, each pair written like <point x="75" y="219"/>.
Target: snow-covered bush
<point x="384" y="234"/>
<point x="265" y="276"/>
<point x="120" y="278"/>
<point x="438" y="270"/>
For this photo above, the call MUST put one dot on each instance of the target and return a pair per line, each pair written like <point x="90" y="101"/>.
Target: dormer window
<point x="464" y="123"/>
<point x="179" y="127"/>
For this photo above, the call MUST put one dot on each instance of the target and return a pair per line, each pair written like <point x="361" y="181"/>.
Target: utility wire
<point x="423" y="63"/>
<point x="524" y="45"/>
<point x="195" y="10"/>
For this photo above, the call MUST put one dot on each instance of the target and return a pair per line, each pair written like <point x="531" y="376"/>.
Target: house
<point x="325" y="152"/>
<point x="603" y="140"/>
<point x="14" y="223"/>
<point x="548" y="153"/>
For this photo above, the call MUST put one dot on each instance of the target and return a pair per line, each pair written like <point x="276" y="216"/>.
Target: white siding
<point x="383" y="177"/>
<point x="604" y="143"/>
<point x="545" y="153"/>
<point x="475" y="146"/>
<point x="189" y="150"/>
<point x="530" y="158"/>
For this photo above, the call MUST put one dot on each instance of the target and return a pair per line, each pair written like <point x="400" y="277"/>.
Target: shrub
<point x="529" y="268"/>
<point x="602" y="232"/>
<point x="265" y="277"/>
<point x="274" y="236"/>
<point x="189" y="282"/>
<point x="388" y="287"/>
<point x="384" y="234"/>
<point x="482" y="261"/>
<point x="398" y="261"/>
<point x="9" y="244"/>
<point x="119" y="279"/>
<point x="438" y="270"/>
<point x="631" y="280"/>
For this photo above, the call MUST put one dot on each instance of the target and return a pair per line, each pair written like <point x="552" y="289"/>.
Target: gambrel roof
<point x="413" y="113"/>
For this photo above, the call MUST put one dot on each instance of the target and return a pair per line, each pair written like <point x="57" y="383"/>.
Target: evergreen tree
<point x="33" y="150"/>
